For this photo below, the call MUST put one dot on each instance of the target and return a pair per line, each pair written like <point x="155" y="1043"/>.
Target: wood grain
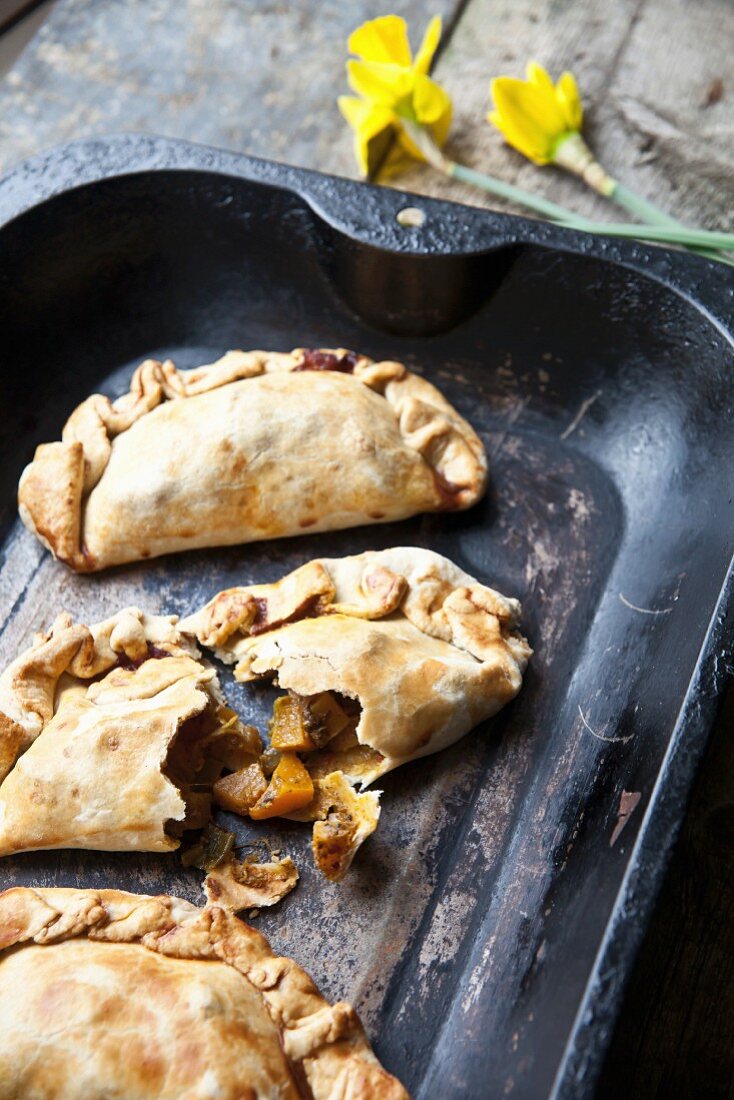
<point x="260" y="78"/>
<point x="644" y="67"/>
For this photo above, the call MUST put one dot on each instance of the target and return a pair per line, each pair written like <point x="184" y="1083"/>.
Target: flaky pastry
<point x="254" y="446"/>
<point x="387" y="656"/>
<point x="105" y="732"/>
<point x="116" y="996"/>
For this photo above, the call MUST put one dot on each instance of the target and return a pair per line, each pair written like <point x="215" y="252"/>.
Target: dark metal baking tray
<point x="486" y="931"/>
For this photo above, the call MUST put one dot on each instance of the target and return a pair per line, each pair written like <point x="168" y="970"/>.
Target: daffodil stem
<point x="420" y="137"/>
<point x="668" y="234"/>
<point x="691" y="238"/>
<point x="573" y="154"/>
<point x="652" y="214"/>
<point x="510" y="192"/>
<point x="640" y="206"/>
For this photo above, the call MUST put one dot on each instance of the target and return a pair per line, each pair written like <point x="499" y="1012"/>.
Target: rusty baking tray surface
<point x="485" y="932"/>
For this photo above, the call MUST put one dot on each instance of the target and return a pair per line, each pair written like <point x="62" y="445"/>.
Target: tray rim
<point x="75" y="164"/>
<point x="701" y="282"/>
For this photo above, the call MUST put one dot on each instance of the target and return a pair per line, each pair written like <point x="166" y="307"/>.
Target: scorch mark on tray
<point x="583" y="409"/>
<point x="628" y="801"/>
<point x="644" y="610"/>
<point x="600" y="736"/>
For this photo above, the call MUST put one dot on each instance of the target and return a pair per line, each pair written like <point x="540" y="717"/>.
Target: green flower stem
<point x="652" y="214"/>
<point x="672" y="233"/>
<point x="508" y="191"/>
<point x="669" y="234"/>
<point x="422" y="139"/>
<point x="572" y="153"/>
<point x="636" y="204"/>
<point x="691" y="238"/>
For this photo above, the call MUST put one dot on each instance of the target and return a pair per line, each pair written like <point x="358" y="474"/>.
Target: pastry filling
<point x="310" y="736"/>
<point x="327" y="360"/>
<point x="151" y="651"/>
<point x="204" y="746"/>
<point x="306" y="774"/>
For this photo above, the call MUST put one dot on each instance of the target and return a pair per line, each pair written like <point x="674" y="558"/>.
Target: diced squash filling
<point x="305" y="774"/>
<point x="239" y="791"/>
<point x="310" y="737"/>
<point x="290" y="788"/>
<point x="288" y="732"/>
<point x="328" y="718"/>
<point x="203" y="747"/>
<point x="233" y="744"/>
<point x="303" y="723"/>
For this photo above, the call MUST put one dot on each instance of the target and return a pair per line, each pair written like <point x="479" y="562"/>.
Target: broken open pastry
<point x="386" y="656"/>
<point x="111" y="737"/>
<point x="255" y="446"/>
<point x="115" y="995"/>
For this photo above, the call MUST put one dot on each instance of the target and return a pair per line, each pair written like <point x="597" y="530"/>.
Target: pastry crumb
<point x="249" y="884"/>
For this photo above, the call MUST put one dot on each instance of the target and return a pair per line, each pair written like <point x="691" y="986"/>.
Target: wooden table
<point x="658" y="84"/>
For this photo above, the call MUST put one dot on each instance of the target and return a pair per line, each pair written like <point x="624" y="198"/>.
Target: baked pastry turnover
<point x="386" y="656"/>
<point x="115" y="736"/>
<point x="254" y="446"/>
<point x="116" y="996"/>
<point x="111" y="737"/>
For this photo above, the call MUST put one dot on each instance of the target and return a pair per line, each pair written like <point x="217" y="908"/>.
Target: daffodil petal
<point x="353" y="109"/>
<point x="430" y="101"/>
<point x="374" y="151"/>
<point x="428" y="46"/>
<point x="522" y="128"/>
<point x="539" y="76"/>
<point x="397" y="161"/>
<point x="543" y="108"/>
<point x="569" y="99"/>
<point x="380" y="83"/>
<point x="440" y="128"/>
<point x="373" y="127"/>
<point x="384" y="40"/>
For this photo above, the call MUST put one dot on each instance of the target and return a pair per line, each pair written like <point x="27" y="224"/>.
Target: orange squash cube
<point x="331" y="716"/>
<point x="240" y="791"/>
<point x="291" y="788"/>
<point x="287" y="730"/>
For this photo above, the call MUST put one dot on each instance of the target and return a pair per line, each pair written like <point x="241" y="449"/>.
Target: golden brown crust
<point x="162" y="942"/>
<point x="28" y="685"/>
<point x="427" y="650"/>
<point x="349" y="820"/>
<point x="263" y="606"/>
<point x="88" y="716"/>
<point x="95" y="498"/>
<point x="50" y="499"/>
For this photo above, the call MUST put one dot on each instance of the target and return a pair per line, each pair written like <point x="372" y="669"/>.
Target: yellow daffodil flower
<point x="542" y="120"/>
<point x="536" y="115"/>
<point x="399" y="114"/>
<point x="395" y="96"/>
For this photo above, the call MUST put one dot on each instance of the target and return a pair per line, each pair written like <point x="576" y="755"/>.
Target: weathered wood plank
<point x="260" y="78"/>
<point x="264" y="79"/>
<point x="645" y="68"/>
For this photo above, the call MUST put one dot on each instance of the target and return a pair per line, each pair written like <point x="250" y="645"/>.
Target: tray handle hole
<point x="411" y="217"/>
